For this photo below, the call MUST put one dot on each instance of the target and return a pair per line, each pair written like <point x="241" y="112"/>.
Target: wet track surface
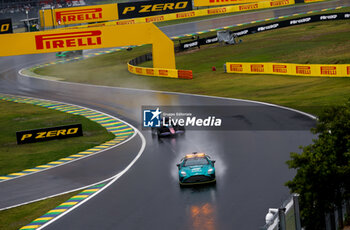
<point x="251" y="167"/>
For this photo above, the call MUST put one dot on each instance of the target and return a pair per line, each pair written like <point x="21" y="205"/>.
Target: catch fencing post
<point x="296" y="211"/>
<point x="282" y="218"/>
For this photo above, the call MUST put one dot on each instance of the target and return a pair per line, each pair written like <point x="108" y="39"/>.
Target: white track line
<point x="116" y="177"/>
<point x="76" y="153"/>
<point x="175" y="93"/>
<point x="138" y="132"/>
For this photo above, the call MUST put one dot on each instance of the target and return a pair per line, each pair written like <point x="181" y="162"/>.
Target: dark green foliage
<point x="323" y="168"/>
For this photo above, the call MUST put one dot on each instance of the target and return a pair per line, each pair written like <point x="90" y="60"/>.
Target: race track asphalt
<point x="251" y="169"/>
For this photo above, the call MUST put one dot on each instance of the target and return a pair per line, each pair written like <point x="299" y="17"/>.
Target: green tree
<point x="323" y="168"/>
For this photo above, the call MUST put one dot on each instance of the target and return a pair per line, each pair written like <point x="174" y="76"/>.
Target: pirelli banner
<point x="92" y="38"/>
<point x="309" y="1"/>
<point x="149" y="8"/>
<point x="205" y="12"/>
<point x="77" y="15"/>
<point x="197" y="3"/>
<point x="5" y="26"/>
<point x="193" y="13"/>
<point x="314" y="70"/>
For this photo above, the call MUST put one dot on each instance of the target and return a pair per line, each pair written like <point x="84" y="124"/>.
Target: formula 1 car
<point x="167" y="129"/>
<point x="66" y="54"/>
<point x="196" y="168"/>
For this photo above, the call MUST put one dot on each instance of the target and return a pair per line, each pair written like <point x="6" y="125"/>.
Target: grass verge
<point x="15" y="218"/>
<point x="17" y="117"/>
<point x="318" y="43"/>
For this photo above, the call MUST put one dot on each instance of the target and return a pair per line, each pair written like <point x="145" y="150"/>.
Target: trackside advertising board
<point x="149" y="8"/>
<point x="5" y="26"/>
<point x="308" y="1"/>
<point x="76" y="15"/>
<point x="205" y="12"/>
<point x="38" y="135"/>
<point x="270" y="26"/>
<point x="160" y="72"/>
<point x="222" y="2"/>
<point x="315" y="70"/>
<point x="195" y="13"/>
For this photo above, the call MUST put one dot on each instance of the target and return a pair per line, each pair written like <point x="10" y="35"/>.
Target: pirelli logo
<point x="150" y="71"/>
<point x="95" y="25"/>
<point x="138" y="70"/>
<point x="236" y="67"/>
<point x="125" y="22"/>
<point x="155" y="19"/>
<point x="279" y="3"/>
<point x="279" y="68"/>
<point x="348" y="70"/>
<point x="65" y="40"/>
<point x="258" y="68"/>
<point x="38" y="135"/>
<point x="249" y="7"/>
<point x="129" y="10"/>
<point x="217" y="11"/>
<point x="79" y="15"/>
<point x="303" y="69"/>
<point x="328" y="70"/>
<point x="163" y="72"/>
<point x="185" y="14"/>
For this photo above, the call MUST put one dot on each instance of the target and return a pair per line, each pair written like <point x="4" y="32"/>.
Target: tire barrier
<point x="267" y="27"/>
<point x="315" y="70"/>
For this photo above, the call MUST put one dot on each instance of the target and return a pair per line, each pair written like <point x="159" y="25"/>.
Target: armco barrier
<point x="160" y="72"/>
<point x="316" y="70"/>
